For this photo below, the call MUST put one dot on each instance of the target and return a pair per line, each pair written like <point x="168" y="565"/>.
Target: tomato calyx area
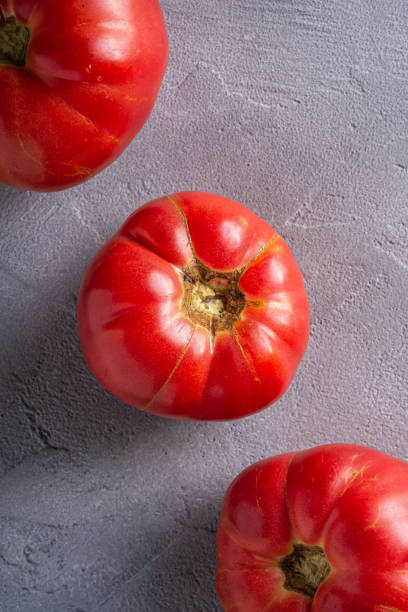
<point x="212" y="299"/>
<point x="305" y="568"/>
<point x="14" y="41"/>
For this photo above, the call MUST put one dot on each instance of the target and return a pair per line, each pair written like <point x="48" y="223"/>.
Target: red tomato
<point x="194" y="309"/>
<point x="78" y="79"/>
<point x="323" y="530"/>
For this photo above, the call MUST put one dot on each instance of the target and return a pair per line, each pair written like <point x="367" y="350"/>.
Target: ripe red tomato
<point x="194" y="309"/>
<point x="321" y="530"/>
<point x="78" y="79"/>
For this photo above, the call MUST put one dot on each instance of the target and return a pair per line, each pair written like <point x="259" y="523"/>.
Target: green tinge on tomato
<point x="195" y="309"/>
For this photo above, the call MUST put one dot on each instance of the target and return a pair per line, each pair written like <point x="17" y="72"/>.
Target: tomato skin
<point x="146" y="349"/>
<point x="92" y="75"/>
<point x="350" y="500"/>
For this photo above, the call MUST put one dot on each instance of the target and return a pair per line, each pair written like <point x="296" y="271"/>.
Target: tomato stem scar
<point x="305" y="568"/>
<point x="14" y="41"/>
<point x="212" y="299"/>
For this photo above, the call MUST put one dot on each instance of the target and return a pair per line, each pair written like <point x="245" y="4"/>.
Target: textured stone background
<point x="297" y="108"/>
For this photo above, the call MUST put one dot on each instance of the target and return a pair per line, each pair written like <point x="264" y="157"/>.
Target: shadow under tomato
<point x="50" y="399"/>
<point x="87" y="493"/>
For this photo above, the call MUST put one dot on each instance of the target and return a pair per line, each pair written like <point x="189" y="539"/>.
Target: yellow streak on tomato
<point x="77" y="170"/>
<point x="136" y="99"/>
<point x="353" y="477"/>
<point x="373" y="525"/>
<point x="26" y="152"/>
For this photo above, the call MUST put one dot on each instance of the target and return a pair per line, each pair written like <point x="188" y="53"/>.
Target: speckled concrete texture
<point x="298" y="109"/>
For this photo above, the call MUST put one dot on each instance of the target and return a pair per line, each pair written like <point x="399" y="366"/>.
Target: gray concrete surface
<point x="297" y="108"/>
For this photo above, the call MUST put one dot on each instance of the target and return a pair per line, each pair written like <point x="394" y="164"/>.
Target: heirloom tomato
<point x="78" y="79"/>
<point x="322" y="530"/>
<point x="194" y="309"/>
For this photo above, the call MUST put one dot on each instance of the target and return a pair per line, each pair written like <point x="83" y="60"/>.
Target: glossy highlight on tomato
<point x="195" y="309"/>
<point x="78" y="79"/>
<point x="320" y="530"/>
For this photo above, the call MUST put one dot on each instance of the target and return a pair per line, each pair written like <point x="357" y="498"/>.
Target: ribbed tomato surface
<point x="88" y="83"/>
<point x="349" y="501"/>
<point x="194" y="309"/>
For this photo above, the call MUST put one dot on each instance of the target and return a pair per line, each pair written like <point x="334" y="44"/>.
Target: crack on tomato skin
<point x="217" y="302"/>
<point x="214" y="300"/>
<point x="239" y="271"/>
<point x="185" y="223"/>
<point x="245" y="356"/>
<point x="261" y="251"/>
<point x="285" y="493"/>
<point x="170" y="376"/>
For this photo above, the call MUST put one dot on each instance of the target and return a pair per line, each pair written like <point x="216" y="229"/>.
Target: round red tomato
<point x="194" y="309"/>
<point x="78" y="79"/>
<point x="323" y="530"/>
